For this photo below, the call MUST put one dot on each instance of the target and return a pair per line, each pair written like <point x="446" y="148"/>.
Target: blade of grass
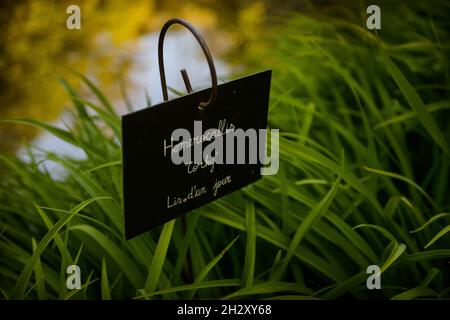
<point x="250" y="251"/>
<point x="124" y="263"/>
<point x="268" y="288"/>
<point x="106" y="293"/>
<point x="434" y="218"/>
<point x="210" y="266"/>
<point x="20" y="287"/>
<point x="415" y="101"/>
<point x="187" y="240"/>
<point x="439" y="235"/>
<point x="193" y="286"/>
<point x="314" y="215"/>
<point x="402" y="178"/>
<point x="57" y="132"/>
<point x="415" y="293"/>
<point x="39" y="276"/>
<point x="159" y="257"/>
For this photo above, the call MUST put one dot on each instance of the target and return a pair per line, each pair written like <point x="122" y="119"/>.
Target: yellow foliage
<point x="38" y="47"/>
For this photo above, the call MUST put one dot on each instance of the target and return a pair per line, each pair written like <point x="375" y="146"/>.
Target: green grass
<point x="364" y="179"/>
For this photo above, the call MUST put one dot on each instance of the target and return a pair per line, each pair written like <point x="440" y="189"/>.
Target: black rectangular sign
<point x="157" y="190"/>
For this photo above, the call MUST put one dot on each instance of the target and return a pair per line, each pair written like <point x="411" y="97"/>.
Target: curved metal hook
<point x="201" y="41"/>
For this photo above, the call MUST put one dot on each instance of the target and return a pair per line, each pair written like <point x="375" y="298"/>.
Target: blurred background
<point x="116" y="48"/>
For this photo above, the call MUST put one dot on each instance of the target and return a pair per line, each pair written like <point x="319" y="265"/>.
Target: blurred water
<point x="180" y="51"/>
